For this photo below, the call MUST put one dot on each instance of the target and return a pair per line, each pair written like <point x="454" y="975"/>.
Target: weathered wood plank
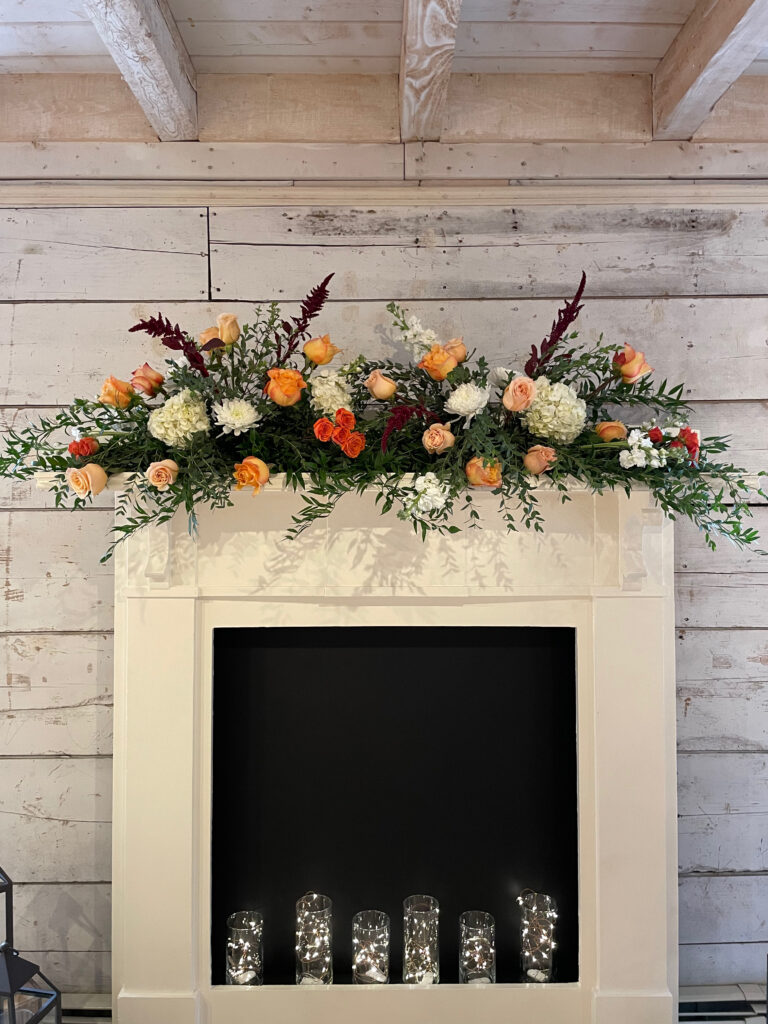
<point x="71" y="38"/>
<point x="744" y="423"/>
<point x="709" y="654"/>
<point x="739" y="115"/>
<point x="74" y="731"/>
<point x="43" y="11"/>
<point x="56" y="819"/>
<point x="299" y="108"/>
<point x="722" y="783"/>
<point x="103" y="254"/>
<point x="535" y="107"/>
<point x="721" y="601"/>
<point x="426" y="54"/>
<point x="723" y="715"/>
<point x="725" y="909"/>
<point x="55" y="671"/>
<point x="693" y="555"/>
<point x="512" y="38"/>
<point x="89" y="972"/>
<point x="722" y="963"/>
<point x="733" y="843"/>
<point x="223" y="39"/>
<point x="72" y="917"/>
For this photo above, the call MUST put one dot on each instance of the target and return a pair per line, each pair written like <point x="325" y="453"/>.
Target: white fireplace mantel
<point x="603" y="566"/>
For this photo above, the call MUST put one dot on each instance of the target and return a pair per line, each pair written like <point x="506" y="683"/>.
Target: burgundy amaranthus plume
<point x="174" y="338"/>
<point x="310" y="307"/>
<point x="402" y="414"/>
<point x="565" y="318"/>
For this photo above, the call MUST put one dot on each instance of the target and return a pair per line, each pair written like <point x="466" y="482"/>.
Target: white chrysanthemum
<point x="329" y="391"/>
<point x="235" y="415"/>
<point x="467" y="400"/>
<point x="178" y="419"/>
<point x="418" y="339"/>
<point x="430" y="495"/>
<point x="556" y="412"/>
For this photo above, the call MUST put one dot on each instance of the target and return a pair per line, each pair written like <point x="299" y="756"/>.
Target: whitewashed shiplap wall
<point x="685" y="285"/>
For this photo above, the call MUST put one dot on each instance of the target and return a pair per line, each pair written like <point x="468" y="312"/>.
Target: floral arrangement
<point x="239" y="403"/>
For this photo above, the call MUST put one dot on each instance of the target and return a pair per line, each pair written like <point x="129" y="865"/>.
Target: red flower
<point x="354" y="445"/>
<point x="691" y="441"/>
<point x="323" y="429"/>
<point x="345" y="418"/>
<point x="655" y="435"/>
<point x="340" y="435"/>
<point x="83" y="448"/>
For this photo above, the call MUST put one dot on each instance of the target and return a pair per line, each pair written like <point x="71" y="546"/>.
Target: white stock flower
<point x="430" y="495"/>
<point x="556" y="412"/>
<point x="329" y="391"/>
<point x="178" y="419"/>
<point x="467" y="400"/>
<point x="235" y="415"/>
<point x="418" y="339"/>
<point x="641" y="452"/>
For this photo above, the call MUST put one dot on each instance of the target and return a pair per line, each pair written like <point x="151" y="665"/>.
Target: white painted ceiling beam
<point x="429" y="40"/>
<point x="145" y="44"/>
<point x="714" y="47"/>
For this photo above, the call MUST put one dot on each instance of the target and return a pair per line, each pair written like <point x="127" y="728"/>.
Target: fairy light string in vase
<point x="537" y="934"/>
<point x="314" y="940"/>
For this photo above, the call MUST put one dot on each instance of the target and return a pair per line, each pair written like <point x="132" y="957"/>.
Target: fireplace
<point x="212" y="816"/>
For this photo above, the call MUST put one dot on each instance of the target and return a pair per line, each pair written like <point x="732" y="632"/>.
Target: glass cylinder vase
<point x="421" y="950"/>
<point x="245" y="952"/>
<point x="314" y="940"/>
<point x="370" y="948"/>
<point x="477" y="948"/>
<point x="537" y="935"/>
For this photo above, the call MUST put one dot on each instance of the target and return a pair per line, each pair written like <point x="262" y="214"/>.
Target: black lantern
<point x="26" y="995"/>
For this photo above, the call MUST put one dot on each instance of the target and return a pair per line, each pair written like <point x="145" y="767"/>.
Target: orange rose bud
<point x="631" y="364"/>
<point x="438" y="438"/>
<point x="457" y="349"/>
<point x="91" y="479"/>
<point x="228" y="328"/>
<point x="284" y="386"/>
<point x="320" y="350"/>
<point x="481" y="475"/>
<point x="340" y="435"/>
<point x="147" y="380"/>
<point x="116" y="392"/>
<point x="539" y="459"/>
<point x="611" y="430"/>
<point x="438" y="363"/>
<point x="519" y="394"/>
<point x="354" y="445"/>
<point x="381" y="387"/>
<point x="323" y="429"/>
<point x="251" y="472"/>
<point x="345" y="418"/>
<point x="208" y="335"/>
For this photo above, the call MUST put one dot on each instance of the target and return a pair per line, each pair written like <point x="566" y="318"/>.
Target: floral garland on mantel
<point x="240" y="403"/>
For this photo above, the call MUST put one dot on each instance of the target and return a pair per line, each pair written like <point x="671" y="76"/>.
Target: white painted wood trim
<point x="716" y="45"/>
<point x="143" y="39"/>
<point x="426" y="57"/>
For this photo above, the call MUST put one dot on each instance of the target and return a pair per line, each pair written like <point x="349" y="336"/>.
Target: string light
<point x="477" y="948"/>
<point x="314" y="940"/>
<point x="421" y="952"/>
<point x="539" y="915"/>
<point x="244" y="948"/>
<point x="370" y="948"/>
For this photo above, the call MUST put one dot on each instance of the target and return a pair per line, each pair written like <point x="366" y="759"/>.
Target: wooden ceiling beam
<point x="426" y="56"/>
<point x="714" y="47"/>
<point x="142" y="37"/>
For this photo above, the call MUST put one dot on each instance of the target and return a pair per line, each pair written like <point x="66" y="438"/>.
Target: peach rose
<point x="207" y="335"/>
<point x="284" y="386"/>
<point x="381" y="387"/>
<point x="519" y="394"/>
<point x="147" y="380"/>
<point x="611" y="430"/>
<point x="481" y="475"/>
<point x="457" y="349"/>
<point x="438" y="362"/>
<point x="251" y="472"/>
<point x="91" y="479"/>
<point x="116" y="392"/>
<point x="631" y="364"/>
<point x="539" y="459"/>
<point x="228" y="328"/>
<point x="438" y="438"/>
<point x="162" y="474"/>
<point x="320" y="350"/>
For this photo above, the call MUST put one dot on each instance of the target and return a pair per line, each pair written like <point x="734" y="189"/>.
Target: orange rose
<point x="284" y="386"/>
<point x="438" y="362"/>
<point x="539" y="459"/>
<point x="438" y="438"/>
<point x="457" y="349"/>
<point x="631" y="364"/>
<point x="147" y="380"/>
<point x="323" y="429"/>
<point x="345" y="418"/>
<point x="519" y="394"/>
<point x="162" y="474"/>
<point x="116" y="392"/>
<point x="611" y="430"/>
<point x="208" y="335"/>
<point x="381" y="387"/>
<point x="320" y="350"/>
<point x="340" y="435"/>
<point x="91" y="479"/>
<point x="251" y="472"/>
<point x="354" y="445"/>
<point x="228" y="328"/>
<point x="481" y="475"/>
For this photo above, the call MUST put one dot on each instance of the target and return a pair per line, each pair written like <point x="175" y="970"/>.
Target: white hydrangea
<point x="430" y="495"/>
<point x="329" y="391"/>
<point x="418" y="339"/>
<point x="235" y="415"/>
<point x="178" y="419"/>
<point x="556" y="412"/>
<point x="467" y="400"/>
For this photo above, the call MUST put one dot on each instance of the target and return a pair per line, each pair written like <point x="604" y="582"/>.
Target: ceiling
<point x="360" y="36"/>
